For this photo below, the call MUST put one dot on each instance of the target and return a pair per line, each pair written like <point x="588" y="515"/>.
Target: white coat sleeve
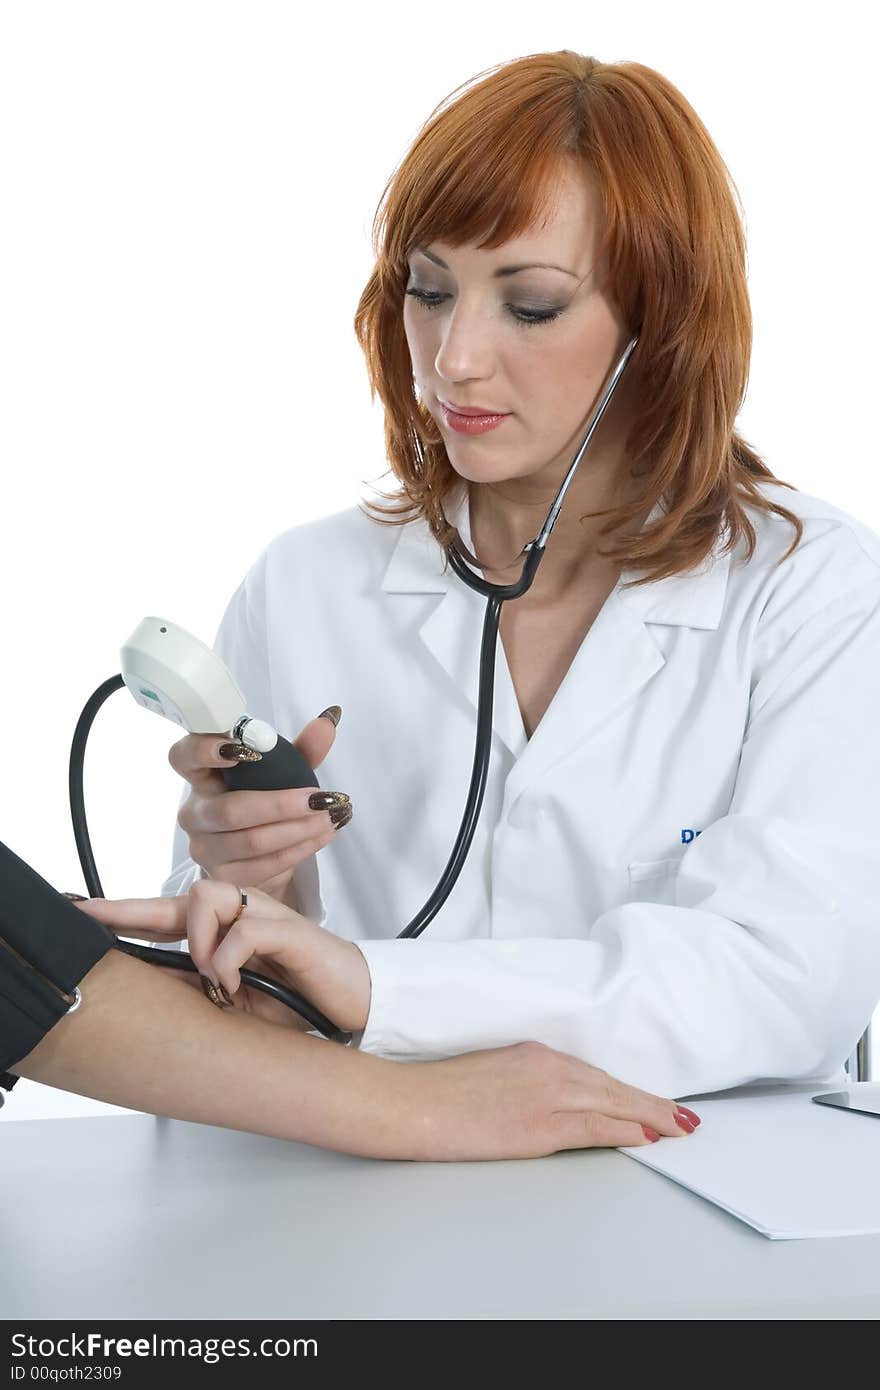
<point x="767" y="965"/>
<point x="241" y="644"/>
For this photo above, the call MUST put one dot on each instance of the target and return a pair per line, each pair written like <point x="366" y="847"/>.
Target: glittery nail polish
<point x="322" y="801"/>
<point x="210" y="992"/>
<point x="240" y="753"/>
<point x="333" y="712"/>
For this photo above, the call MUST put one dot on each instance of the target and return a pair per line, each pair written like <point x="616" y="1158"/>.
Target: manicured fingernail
<point x="341" y="815"/>
<point x="210" y="991"/>
<point x="333" y="712"/>
<point x="224" y="993"/>
<point x="239" y="753"/>
<point x="322" y="801"/>
<point x="650" y="1133"/>
<point x="683" y="1110"/>
<point x="75" y="897"/>
<point x="684" y="1123"/>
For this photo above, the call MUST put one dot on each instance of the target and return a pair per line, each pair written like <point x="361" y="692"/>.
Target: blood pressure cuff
<point x="46" y="947"/>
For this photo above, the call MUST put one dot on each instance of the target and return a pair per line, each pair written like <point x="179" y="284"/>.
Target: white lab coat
<point x="676" y="879"/>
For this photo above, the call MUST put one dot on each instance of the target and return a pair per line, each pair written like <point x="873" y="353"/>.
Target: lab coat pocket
<point x="653" y="880"/>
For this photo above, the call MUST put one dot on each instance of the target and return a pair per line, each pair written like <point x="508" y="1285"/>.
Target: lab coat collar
<point x="617" y="658"/>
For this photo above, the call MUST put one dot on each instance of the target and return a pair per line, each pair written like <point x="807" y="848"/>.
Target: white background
<point x="188" y="194"/>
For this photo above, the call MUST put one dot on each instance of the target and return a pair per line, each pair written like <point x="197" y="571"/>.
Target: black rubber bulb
<point x="284" y="766"/>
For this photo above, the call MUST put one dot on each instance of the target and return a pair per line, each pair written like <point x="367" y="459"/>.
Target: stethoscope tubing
<point x="496" y="595"/>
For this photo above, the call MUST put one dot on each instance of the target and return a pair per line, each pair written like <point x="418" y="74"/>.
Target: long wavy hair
<point x="486" y="166"/>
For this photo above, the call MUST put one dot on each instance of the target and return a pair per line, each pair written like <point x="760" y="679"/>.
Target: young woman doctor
<point x="675" y="874"/>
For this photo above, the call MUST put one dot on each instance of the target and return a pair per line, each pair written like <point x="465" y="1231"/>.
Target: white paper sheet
<point x="775" y="1159"/>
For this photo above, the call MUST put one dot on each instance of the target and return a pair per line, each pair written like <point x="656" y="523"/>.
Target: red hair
<point x="487" y="166"/>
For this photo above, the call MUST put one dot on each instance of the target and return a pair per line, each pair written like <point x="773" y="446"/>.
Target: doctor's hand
<point x="255" y="838"/>
<point x="266" y="937"/>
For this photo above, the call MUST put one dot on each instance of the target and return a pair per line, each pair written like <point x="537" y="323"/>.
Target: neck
<point x="505" y="516"/>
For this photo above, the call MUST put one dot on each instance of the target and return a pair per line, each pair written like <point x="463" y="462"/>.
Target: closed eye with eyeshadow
<point x="431" y="299"/>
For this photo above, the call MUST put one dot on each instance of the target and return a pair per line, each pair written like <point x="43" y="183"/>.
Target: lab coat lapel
<point x="616" y="658"/>
<point x="619" y="655"/>
<point x="453" y="630"/>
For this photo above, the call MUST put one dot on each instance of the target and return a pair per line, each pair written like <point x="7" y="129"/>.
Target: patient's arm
<point x="145" y="1039"/>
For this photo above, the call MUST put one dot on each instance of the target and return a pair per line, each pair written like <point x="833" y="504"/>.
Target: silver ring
<point x="77" y="1000"/>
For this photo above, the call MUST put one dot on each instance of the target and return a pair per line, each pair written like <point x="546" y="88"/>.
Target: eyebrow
<point x="503" y="270"/>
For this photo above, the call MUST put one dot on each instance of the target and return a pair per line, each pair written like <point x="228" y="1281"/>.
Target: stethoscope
<point x="497" y="594"/>
<point x="285" y="766"/>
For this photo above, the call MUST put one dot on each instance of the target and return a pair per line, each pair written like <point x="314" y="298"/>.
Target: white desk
<point x="138" y="1217"/>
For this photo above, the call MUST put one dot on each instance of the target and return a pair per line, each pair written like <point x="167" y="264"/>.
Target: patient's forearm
<point x="145" y="1039"/>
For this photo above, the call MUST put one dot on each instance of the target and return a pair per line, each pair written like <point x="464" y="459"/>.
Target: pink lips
<point x="470" y="409"/>
<point x="470" y="423"/>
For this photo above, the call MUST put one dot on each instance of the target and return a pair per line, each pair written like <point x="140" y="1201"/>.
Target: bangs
<point x="482" y="177"/>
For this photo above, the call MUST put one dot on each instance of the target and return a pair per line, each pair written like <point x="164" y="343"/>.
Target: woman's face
<point x="474" y="347"/>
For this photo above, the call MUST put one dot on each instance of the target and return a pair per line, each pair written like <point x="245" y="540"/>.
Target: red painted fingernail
<point x="683" y="1110"/>
<point x="684" y="1123"/>
<point x="650" y="1133"/>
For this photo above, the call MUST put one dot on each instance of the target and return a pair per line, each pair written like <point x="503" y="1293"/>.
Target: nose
<point x="466" y="352"/>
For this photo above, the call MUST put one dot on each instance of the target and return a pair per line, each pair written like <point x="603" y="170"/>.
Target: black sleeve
<point x="46" y="947"/>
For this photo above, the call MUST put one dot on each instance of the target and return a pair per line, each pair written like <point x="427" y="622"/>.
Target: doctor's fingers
<point x="285" y="943"/>
<point x="196" y="758"/>
<point x="213" y="912"/>
<point x="143" y="919"/>
<point x="207" y="813"/>
<point x="259" y="854"/>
